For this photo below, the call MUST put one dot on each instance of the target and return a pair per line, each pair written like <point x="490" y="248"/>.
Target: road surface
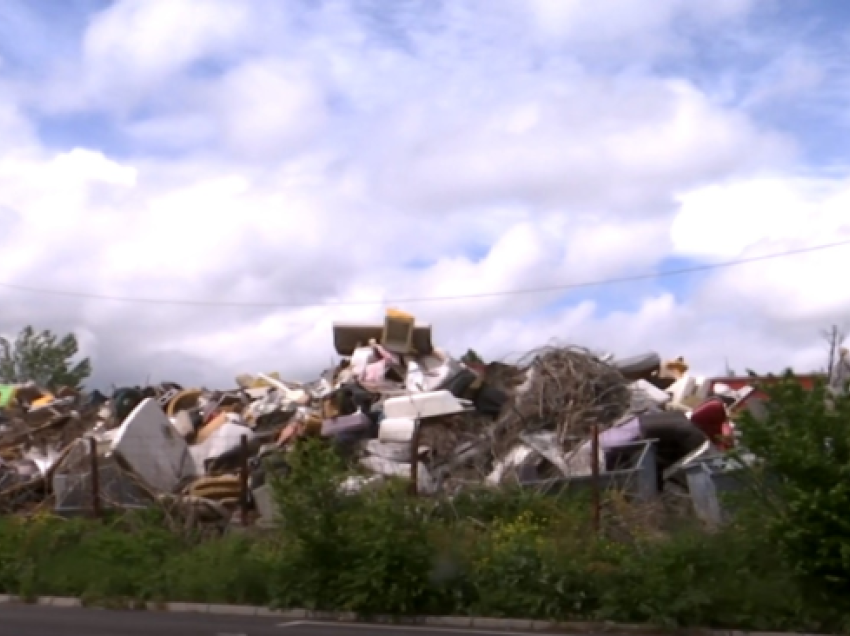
<point x="33" y="620"/>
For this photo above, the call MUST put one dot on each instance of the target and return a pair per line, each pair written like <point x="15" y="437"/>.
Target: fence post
<point x="414" y="459"/>
<point x="95" y="478"/>
<point x="594" y="463"/>
<point x="243" y="481"/>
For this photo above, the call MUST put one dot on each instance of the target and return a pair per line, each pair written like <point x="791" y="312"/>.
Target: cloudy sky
<point x="199" y="188"/>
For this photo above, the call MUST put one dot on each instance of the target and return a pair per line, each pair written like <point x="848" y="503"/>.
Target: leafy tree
<point x="44" y="358"/>
<point x="471" y="357"/>
<point x="803" y="442"/>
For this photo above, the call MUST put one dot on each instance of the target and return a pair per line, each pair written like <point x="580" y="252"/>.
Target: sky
<point x="199" y="188"/>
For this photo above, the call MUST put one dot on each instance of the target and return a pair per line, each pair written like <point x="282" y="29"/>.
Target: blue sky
<point x="34" y="39"/>
<point x="339" y="151"/>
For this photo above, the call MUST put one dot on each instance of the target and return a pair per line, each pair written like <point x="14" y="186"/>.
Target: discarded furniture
<point x="708" y="480"/>
<point x="349" y="335"/>
<point x="629" y="468"/>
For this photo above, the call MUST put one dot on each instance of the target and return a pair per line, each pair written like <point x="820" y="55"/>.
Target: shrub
<point x="804" y="446"/>
<point x="514" y="553"/>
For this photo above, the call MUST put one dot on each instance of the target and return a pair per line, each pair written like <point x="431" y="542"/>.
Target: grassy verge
<point x="784" y="564"/>
<point x="130" y="558"/>
<point x="507" y="554"/>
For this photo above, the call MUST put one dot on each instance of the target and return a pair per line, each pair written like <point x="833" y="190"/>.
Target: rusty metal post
<point x="243" y="481"/>
<point x="594" y="463"/>
<point x="95" y="478"/>
<point x="414" y="459"/>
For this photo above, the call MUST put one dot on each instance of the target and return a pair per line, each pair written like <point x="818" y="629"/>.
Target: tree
<point x="471" y="357"/>
<point x="43" y="358"/>
<point x="803" y="442"/>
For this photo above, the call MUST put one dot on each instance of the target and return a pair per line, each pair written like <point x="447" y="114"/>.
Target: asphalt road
<point x="31" y="620"/>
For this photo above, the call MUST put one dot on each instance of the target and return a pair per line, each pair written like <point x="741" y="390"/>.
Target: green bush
<point x="780" y="565"/>
<point x="804" y="445"/>
<point x="370" y="553"/>
<point x="516" y="553"/>
<point x="54" y="557"/>
<point x="235" y="569"/>
<point x="132" y="558"/>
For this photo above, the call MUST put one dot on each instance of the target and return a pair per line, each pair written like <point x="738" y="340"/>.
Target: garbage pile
<point x="396" y="405"/>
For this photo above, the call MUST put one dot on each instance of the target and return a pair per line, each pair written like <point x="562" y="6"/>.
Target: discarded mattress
<point x="152" y="447"/>
<point x="422" y="405"/>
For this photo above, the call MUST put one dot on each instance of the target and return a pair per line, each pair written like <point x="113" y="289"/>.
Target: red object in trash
<point x="710" y="417"/>
<point x="727" y="440"/>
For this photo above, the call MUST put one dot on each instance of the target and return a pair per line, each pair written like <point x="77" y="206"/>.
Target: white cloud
<point x="267" y="107"/>
<point x="136" y="44"/>
<point x="726" y="219"/>
<point x="767" y="216"/>
<point x="791" y="76"/>
<point x="260" y="110"/>
<point x="15" y="131"/>
<point x="723" y="220"/>
<point x="86" y="165"/>
<point x="587" y="131"/>
<point x="626" y="27"/>
<point x="404" y="155"/>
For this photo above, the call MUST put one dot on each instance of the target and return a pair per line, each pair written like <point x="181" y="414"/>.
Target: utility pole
<point x="833" y="336"/>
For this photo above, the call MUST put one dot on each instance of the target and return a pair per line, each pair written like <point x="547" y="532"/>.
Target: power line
<point x="515" y="292"/>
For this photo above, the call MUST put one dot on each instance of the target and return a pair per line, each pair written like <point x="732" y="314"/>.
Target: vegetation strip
<point x="782" y="564"/>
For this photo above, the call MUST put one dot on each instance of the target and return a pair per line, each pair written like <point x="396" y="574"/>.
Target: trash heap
<point x="396" y="405"/>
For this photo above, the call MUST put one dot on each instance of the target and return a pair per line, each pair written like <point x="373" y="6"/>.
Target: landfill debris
<point x="398" y="406"/>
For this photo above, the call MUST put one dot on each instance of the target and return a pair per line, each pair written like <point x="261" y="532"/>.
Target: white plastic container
<point x="396" y="429"/>
<point x="422" y="405"/>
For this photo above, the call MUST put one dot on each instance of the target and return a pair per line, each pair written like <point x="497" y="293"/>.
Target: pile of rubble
<point x="396" y="405"/>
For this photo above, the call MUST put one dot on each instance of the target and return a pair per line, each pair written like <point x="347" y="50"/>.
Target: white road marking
<point x="408" y="628"/>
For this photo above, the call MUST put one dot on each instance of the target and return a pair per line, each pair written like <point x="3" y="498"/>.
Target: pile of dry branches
<point x="568" y="389"/>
